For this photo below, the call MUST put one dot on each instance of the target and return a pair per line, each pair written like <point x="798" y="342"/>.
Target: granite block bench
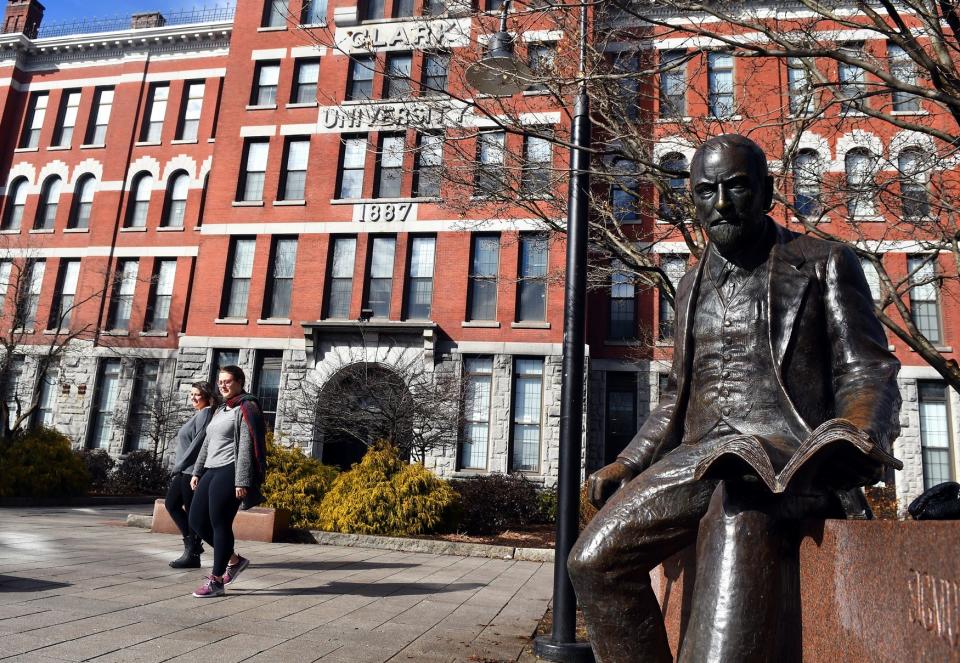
<point x="256" y="524"/>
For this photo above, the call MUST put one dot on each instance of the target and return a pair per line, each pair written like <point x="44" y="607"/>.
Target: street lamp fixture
<point x="500" y="73"/>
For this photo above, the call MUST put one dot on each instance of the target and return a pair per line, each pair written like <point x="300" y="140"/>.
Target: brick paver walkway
<point x="77" y="586"/>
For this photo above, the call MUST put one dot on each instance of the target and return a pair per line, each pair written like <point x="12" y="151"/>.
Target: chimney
<point x="147" y="20"/>
<point x="23" y="16"/>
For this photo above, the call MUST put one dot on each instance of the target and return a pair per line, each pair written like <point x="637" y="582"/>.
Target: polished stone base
<point x="256" y="524"/>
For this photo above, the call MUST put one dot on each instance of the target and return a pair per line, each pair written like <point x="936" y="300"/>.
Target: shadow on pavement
<point x="20" y="584"/>
<point x="329" y="566"/>
<point x="365" y="589"/>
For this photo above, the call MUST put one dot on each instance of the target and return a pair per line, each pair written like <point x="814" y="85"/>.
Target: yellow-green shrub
<point x="383" y="495"/>
<point x="40" y="463"/>
<point x="296" y="483"/>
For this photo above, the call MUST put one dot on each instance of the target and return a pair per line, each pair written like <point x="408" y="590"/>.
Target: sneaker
<point x="233" y="570"/>
<point x="210" y="588"/>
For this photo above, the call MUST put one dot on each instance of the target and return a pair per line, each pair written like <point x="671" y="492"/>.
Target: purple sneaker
<point x="210" y="588"/>
<point x="233" y="570"/>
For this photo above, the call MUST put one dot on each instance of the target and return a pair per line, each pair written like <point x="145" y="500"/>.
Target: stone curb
<point x="405" y="545"/>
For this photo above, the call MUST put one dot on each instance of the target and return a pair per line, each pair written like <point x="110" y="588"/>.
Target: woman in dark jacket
<point x="179" y="494"/>
<point x="227" y="476"/>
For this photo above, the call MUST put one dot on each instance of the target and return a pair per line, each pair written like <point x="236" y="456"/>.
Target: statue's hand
<point x="603" y="483"/>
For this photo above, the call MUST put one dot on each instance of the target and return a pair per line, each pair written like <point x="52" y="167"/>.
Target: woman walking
<point x="179" y="494"/>
<point x="230" y="467"/>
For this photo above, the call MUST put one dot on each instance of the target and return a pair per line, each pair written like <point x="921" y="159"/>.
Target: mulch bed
<point x="540" y="536"/>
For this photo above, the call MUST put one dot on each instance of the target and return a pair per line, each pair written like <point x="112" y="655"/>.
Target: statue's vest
<point x="735" y="380"/>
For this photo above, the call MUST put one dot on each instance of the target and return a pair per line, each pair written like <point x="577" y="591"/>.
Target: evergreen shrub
<point x="384" y="495"/>
<point x="99" y="466"/>
<point x="296" y="483"/>
<point x="40" y="463"/>
<point x="493" y="503"/>
<point x="140" y="473"/>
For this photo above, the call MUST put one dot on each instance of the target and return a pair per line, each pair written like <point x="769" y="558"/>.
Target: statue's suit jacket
<point x="829" y="350"/>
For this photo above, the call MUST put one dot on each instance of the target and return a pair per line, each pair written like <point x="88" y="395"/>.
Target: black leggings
<point x="215" y="504"/>
<point x="179" y="497"/>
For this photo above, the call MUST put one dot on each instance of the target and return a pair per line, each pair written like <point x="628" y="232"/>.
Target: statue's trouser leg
<point x="746" y="586"/>
<point x="653" y="517"/>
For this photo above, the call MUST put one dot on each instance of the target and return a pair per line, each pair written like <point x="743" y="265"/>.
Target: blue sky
<point x="68" y="10"/>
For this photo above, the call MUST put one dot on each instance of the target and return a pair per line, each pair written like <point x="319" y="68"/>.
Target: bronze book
<point x="831" y="447"/>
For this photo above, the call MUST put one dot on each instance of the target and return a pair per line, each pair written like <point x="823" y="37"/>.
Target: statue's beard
<point x="729" y="237"/>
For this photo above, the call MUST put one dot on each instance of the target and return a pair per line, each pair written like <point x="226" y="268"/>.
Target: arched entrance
<point x="361" y="404"/>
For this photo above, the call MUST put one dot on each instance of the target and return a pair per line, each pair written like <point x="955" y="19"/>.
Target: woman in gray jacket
<point x="179" y="494"/>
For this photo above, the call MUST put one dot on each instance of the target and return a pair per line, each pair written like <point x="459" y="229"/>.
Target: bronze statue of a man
<point x="776" y="343"/>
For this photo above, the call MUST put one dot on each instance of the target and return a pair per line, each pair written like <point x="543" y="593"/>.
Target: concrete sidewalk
<point x="76" y="585"/>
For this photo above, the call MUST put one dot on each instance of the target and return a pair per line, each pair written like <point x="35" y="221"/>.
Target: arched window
<point x="82" y="202"/>
<point x="859" y="166"/>
<point x="49" y="200"/>
<point x="673" y="165"/>
<point x="806" y="183"/>
<point x="914" y="198"/>
<point x="176" y="206"/>
<point x="16" y="201"/>
<point x="140" y="203"/>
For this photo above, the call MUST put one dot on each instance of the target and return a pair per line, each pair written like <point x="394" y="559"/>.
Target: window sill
<point x="939" y="348"/>
<point x="312" y="25"/>
<point x="274" y="321"/>
<point x="535" y="93"/>
<point x="289" y="203"/>
<point x="869" y="218"/>
<point x="272" y="28"/>
<point x="11" y="231"/>
<point x="116" y="332"/>
<point x="247" y="203"/>
<point x="230" y="321"/>
<point x="27" y="149"/>
<point x="251" y="107"/>
<point x="665" y="343"/>
<point x="184" y="141"/>
<point x="303" y="104"/>
<point x="369" y="201"/>
<point x="909" y="112"/>
<point x="140" y="229"/>
<point x="156" y="334"/>
<point x="23" y="330"/>
<point x="58" y="148"/>
<point x="55" y="332"/>
<point x="170" y="229"/>
<point x="669" y="120"/>
<point x="93" y="146"/>
<point x="76" y="230"/>
<point x="530" y="325"/>
<point x="147" y="143"/>
<point x="41" y="231"/>
<point x="481" y="324"/>
<point x="211" y="140"/>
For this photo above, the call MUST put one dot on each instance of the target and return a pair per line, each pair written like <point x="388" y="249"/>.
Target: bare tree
<point x="157" y="409"/>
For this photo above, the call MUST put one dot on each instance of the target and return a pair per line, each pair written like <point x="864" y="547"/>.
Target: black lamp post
<point x="499" y="73"/>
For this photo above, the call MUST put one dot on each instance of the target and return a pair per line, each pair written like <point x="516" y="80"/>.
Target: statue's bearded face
<point x="731" y="192"/>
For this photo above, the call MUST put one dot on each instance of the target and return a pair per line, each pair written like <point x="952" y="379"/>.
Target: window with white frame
<point x="124" y="287"/>
<point x="63" y="297"/>
<point x="266" y="384"/>
<point x="341" y="277"/>
<point x="352" y="159"/>
<point x="540" y="57"/>
<point x="254" y="170"/>
<point x="293" y="182"/>
<point x="47" y="398"/>
<point x="429" y="162"/>
<point x="360" y="81"/>
<point x="478" y="384"/>
<point x="935" y="437"/>
<point x="100" y="116"/>
<point x="527" y="414"/>
<point x="13" y="389"/>
<point x="380" y="277"/>
<point x="238" y="282"/>
<point x="532" y="285"/>
<point x="903" y="69"/>
<point x="673" y="267"/>
<point x="280" y="277"/>
<point x="275" y="13"/>
<point x="152" y="129"/>
<point x="189" y="126"/>
<point x="389" y="175"/>
<point x="6" y="267"/>
<point x="161" y="294"/>
<point x="872" y="276"/>
<point x="177" y="191"/>
<point x="30" y="138"/>
<point x="435" y="69"/>
<point x="484" y="272"/>
<point x="806" y="183"/>
<point x="139" y="205"/>
<point x="672" y="199"/>
<point x="66" y="118"/>
<point x="420" y="278"/>
<point x="914" y="198"/>
<point x="720" y="84"/>
<point x="673" y="83"/>
<point x="799" y="87"/>
<point x="623" y="323"/>
<point x="490" y="176"/>
<point x="142" y="417"/>
<point x="924" y="296"/>
<point x="372" y="9"/>
<point x="314" y="12"/>
<point x="623" y="191"/>
<point x="852" y="78"/>
<point x="859" y="164"/>
<point x="535" y="179"/>
<point x="30" y="285"/>
<point x="82" y="202"/>
<point x="397" y="83"/>
<point x="306" y="73"/>
<point x="266" y="78"/>
<point x="49" y="203"/>
<point x="16" y="202"/>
